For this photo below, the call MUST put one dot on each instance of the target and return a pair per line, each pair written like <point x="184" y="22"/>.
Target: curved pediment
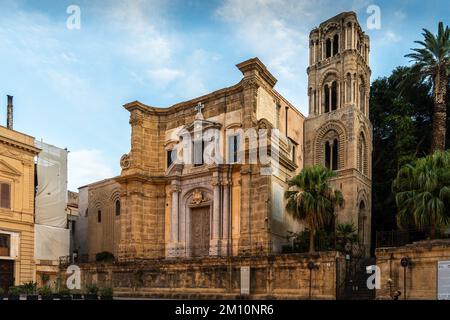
<point x="203" y="125"/>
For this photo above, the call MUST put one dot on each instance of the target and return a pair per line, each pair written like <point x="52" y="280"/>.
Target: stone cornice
<point x="255" y="64"/>
<point x="141" y="178"/>
<point x="20" y="145"/>
<point x="186" y="105"/>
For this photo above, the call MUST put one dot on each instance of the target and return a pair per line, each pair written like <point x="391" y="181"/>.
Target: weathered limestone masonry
<point x="103" y="215"/>
<point x="190" y="221"/>
<point x="277" y="277"/>
<point x="421" y="277"/>
<point x="185" y="210"/>
<point x="338" y="132"/>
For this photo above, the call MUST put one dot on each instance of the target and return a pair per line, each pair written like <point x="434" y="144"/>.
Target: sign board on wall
<point x="245" y="280"/>
<point x="443" y="280"/>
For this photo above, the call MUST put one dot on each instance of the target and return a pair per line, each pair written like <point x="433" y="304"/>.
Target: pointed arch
<point x="363" y="154"/>
<point x="335" y="134"/>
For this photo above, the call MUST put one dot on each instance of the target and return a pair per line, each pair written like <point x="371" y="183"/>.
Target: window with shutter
<point x="5" y="244"/>
<point x="233" y="149"/>
<point x="5" y="196"/>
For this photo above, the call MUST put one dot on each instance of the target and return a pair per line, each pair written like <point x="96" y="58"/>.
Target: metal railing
<point x="75" y="258"/>
<point x="398" y="238"/>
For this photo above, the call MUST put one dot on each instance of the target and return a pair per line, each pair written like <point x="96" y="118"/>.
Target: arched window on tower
<point x="315" y="102"/>
<point x="311" y="107"/>
<point x="327" y="98"/>
<point x="334" y="158"/>
<point x="333" y="96"/>
<point x="362" y="222"/>
<point x="328" y="48"/>
<point x="349" y="35"/>
<point x="317" y="51"/>
<point x="363" y="163"/>
<point x="335" y="44"/>
<point x="332" y="154"/>
<point x="360" y="155"/>
<point x="117" y="209"/>
<point x="328" y="155"/>
<point x="349" y="88"/>
<point x="362" y="98"/>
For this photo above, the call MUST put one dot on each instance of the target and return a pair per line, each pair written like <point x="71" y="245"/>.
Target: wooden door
<point x="6" y="274"/>
<point x="200" y="231"/>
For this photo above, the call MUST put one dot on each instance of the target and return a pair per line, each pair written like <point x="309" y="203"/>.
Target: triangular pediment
<point x="6" y="168"/>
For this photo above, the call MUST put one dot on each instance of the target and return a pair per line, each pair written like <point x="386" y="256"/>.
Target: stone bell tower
<point x="338" y="132"/>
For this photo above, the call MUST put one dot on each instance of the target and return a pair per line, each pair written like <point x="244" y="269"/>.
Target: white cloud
<point x="87" y="166"/>
<point x="277" y="31"/>
<point x="164" y="76"/>
<point x="143" y="35"/>
<point x="391" y="37"/>
<point x="399" y="14"/>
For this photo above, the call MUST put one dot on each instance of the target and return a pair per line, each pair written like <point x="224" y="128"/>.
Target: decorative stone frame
<point x="322" y="136"/>
<point x="186" y="215"/>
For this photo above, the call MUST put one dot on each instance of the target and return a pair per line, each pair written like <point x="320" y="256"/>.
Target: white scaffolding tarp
<point x="51" y="196"/>
<point x="50" y="243"/>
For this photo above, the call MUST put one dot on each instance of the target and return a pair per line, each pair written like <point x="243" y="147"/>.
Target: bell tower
<point x="338" y="132"/>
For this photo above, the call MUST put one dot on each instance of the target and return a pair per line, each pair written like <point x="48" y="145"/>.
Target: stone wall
<point x="421" y="277"/>
<point x="278" y="277"/>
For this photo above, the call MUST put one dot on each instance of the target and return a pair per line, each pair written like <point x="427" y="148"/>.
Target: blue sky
<point x="69" y="85"/>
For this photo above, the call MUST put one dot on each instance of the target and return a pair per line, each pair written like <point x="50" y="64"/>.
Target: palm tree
<point x="311" y="199"/>
<point x="432" y="63"/>
<point x="422" y="193"/>
<point x="347" y="236"/>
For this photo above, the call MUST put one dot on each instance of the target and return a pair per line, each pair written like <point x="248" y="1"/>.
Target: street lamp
<point x="405" y="262"/>
<point x="311" y="266"/>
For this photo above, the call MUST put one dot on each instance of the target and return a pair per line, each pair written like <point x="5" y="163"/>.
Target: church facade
<point x="207" y="177"/>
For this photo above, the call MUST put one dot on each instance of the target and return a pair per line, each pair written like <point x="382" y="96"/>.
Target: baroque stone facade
<point x="222" y="208"/>
<point x="184" y="210"/>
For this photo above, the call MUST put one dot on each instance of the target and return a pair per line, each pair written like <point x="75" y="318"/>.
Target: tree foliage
<point x="432" y="64"/>
<point x="422" y="193"/>
<point x="311" y="199"/>
<point x="401" y="111"/>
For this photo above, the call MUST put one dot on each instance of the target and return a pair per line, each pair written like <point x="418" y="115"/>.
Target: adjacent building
<point x="17" y="173"/>
<point x="52" y="234"/>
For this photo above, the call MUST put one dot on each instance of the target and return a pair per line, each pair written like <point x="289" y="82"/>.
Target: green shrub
<point x="45" y="278"/>
<point x="2" y="292"/>
<point x="29" y="288"/>
<point x="107" y="292"/>
<point x="45" y="291"/>
<point x="104" y="256"/>
<point x="15" y="291"/>
<point x="92" y="289"/>
<point x="64" y="291"/>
